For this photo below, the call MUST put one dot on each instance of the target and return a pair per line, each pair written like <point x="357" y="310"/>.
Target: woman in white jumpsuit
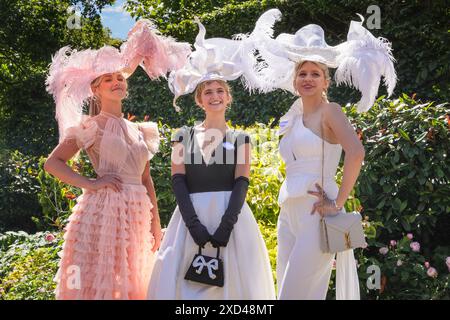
<point x="299" y="63"/>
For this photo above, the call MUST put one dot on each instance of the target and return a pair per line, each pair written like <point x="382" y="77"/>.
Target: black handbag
<point x="206" y="270"/>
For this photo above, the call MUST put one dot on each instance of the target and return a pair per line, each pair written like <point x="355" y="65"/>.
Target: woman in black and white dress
<point x="210" y="178"/>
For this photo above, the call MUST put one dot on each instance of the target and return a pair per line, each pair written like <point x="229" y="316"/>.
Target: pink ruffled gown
<point x="108" y="240"/>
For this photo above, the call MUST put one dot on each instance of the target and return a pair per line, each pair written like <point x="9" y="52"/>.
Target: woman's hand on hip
<point x="107" y="181"/>
<point x="325" y="206"/>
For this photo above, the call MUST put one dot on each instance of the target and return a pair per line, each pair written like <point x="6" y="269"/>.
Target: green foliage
<point x="160" y="172"/>
<point x="18" y="188"/>
<point x="57" y="198"/>
<point x="269" y="233"/>
<point x="30" y="33"/>
<point x="33" y="30"/>
<point x="404" y="182"/>
<point x="28" y="264"/>
<point x="157" y="10"/>
<point x="267" y="173"/>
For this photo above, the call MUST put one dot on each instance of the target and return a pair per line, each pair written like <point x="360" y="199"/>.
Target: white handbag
<point x="342" y="231"/>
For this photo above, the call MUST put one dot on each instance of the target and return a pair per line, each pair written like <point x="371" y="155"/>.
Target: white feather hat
<point x="72" y="72"/>
<point x="361" y="61"/>
<point x="211" y="60"/>
<point x="214" y="59"/>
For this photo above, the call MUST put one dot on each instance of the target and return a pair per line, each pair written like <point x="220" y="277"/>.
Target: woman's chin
<point x="309" y="93"/>
<point x="215" y="108"/>
<point x="117" y="96"/>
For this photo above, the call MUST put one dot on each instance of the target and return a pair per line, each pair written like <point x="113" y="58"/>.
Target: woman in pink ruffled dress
<point x="114" y="229"/>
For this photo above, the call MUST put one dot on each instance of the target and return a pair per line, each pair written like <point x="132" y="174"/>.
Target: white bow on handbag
<point x="212" y="264"/>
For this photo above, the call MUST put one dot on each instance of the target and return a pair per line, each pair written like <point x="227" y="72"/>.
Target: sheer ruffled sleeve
<point x="85" y="133"/>
<point x="151" y="137"/>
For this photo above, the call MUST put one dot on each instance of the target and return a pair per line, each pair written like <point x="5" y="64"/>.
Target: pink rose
<point x="384" y="251"/>
<point x="410" y="236"/>
<point x="431" y="272"/>
<point x="50" y="237"/>
<point x="427" y="264"/>
<point x="334" y="264"/>
<point x="415" y="246"/>
<point x="447" y="261"/>
<point x="393" y="243"/>
<point x="399" y="263"/>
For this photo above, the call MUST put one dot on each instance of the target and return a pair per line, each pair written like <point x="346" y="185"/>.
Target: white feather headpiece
<point x="213" y="59"/>
<point x="361" y="61"/>
<point x="72" y="72"/>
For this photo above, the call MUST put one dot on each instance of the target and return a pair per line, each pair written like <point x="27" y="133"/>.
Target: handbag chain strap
<point x="323" y="156"/>
<point x="322" y="217"/>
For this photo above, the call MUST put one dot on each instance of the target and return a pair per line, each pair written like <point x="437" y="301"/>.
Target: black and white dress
<point x="247" y="269"/>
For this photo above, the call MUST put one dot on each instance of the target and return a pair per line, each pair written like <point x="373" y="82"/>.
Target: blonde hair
<point x="95" y="105"/>
<point x="323" y="67"/>
<point x="202" y="86"/>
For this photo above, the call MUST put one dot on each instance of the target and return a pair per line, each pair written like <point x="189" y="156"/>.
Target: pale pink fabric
<point x="107" y="249"/>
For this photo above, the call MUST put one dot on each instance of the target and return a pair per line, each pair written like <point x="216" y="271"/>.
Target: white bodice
<point x="301" y="149"/>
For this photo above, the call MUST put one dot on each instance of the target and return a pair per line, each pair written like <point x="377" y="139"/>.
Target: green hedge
<point x="404" y="182"/>
<point x="18" y="192"/>
<point x="28" y="264"/>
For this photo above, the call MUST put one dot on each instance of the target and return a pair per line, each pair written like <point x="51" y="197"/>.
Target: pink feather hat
<point x="72" y="72"/>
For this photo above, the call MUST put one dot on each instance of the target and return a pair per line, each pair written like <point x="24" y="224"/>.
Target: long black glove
<point x="221" y="236"/>
<point x="197" y="230"/>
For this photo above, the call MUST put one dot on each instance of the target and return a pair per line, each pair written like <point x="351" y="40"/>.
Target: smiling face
<point x="311" y="79"/>
<point x="110" y="86"/>
<point x="213" y="96"/>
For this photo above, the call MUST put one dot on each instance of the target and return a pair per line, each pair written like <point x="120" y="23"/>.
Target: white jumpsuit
<point x="303" y="270"/>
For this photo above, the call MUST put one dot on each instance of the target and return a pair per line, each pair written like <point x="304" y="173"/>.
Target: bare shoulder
<point x="333" y="111"/>
<point x="332" y="108"/>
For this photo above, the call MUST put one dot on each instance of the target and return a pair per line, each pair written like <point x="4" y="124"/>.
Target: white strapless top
<point x="301" y="150"/>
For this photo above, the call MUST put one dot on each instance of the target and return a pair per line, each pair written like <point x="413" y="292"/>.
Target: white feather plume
<point x="256" y="76"/>
<point x="362" y="61"/>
